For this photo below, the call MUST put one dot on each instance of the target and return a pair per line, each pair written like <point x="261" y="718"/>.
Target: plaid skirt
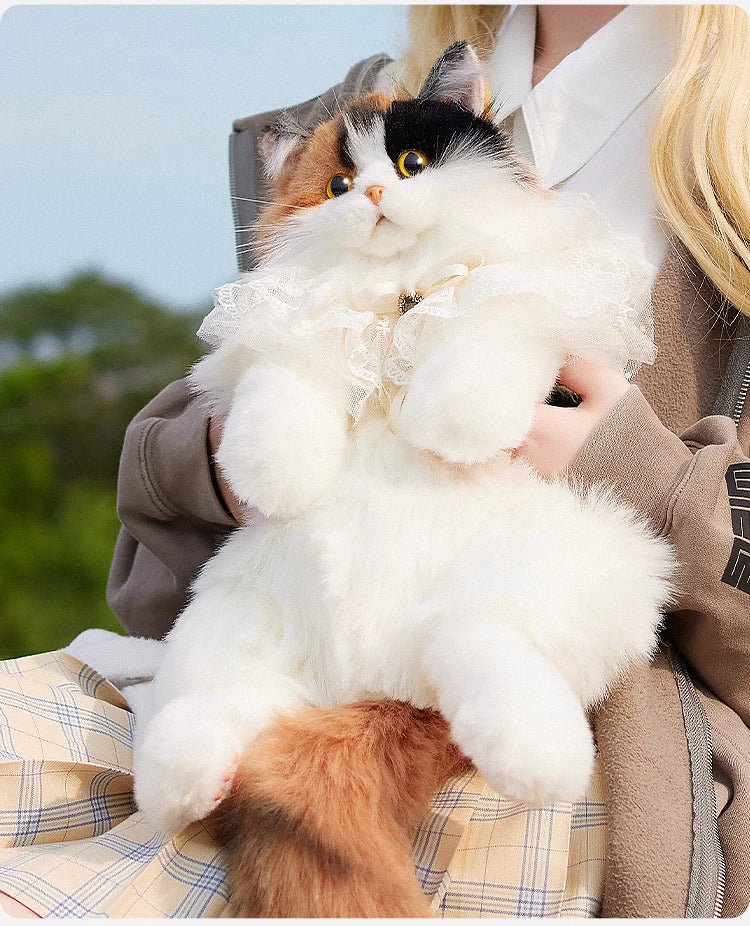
<point x="73" y="844"/>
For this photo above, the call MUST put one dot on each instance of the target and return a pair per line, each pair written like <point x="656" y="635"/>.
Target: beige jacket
<point x="674" y="736"/>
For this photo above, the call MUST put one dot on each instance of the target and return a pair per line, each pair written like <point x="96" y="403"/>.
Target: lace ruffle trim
<point x="598" y="303"/>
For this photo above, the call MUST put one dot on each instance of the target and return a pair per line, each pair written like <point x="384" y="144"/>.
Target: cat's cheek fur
<point x="414" y="204"/>
<point x="284" y="440"/>
<point x="333" y="230"/>
<point x="351" y="222"/>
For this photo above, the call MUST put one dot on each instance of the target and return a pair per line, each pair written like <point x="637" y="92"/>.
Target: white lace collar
<point x="597" y="294"/>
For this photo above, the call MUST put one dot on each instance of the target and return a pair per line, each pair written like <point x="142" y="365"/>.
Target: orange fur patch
<point x="324" y="807"/>
<point x="317" y="163"/>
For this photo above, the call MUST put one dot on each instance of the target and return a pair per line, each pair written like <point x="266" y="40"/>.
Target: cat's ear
<point x="280" y="145"/>
<point x="456" y="77"/>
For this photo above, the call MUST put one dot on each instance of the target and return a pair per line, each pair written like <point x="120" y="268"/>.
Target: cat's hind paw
<point x="227" y="780"/>
<point x="539" y="766"/>
<point x="184" y="766"/>
<point x="511" y="711"/>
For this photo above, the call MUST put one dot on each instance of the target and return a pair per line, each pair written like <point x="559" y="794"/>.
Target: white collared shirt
<point x="587" y="124"/>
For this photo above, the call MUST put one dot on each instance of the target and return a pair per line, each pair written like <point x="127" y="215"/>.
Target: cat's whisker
<point x="400" y="85"/>
<point x="279" y="243"/>
<point x="263" y="202"/>
<point x="247" y="199"/>
<point x="330" y="114"/>
<point x="255" y="227"/>
<point x="278" y="230"/>
<point x="338" y="102"/>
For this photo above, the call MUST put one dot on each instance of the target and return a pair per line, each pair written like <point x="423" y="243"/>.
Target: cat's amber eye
<point x="411" y="162"/>
<point x="337" y="185"/>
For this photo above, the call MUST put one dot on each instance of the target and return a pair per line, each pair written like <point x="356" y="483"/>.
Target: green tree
<point x="81" y="360"/>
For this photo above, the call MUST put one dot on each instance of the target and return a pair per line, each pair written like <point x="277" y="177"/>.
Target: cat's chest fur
<point x="367" y="561"/>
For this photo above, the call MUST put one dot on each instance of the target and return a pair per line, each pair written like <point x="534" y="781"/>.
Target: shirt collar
<point x="575" y="108"/>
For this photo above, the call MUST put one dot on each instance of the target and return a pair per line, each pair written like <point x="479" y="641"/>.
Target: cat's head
<point x="394" y="183"/>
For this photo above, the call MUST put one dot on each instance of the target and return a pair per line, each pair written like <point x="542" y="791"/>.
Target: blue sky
<point x="114" y="124"/>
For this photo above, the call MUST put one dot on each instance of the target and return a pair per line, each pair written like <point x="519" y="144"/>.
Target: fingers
<point x="550" y="418"/>
<point x="215" y="430"/>
<point x="233" y="505"/>
<point x="557" y="434"/>
<point x="551" y="428"/>
<point x="594" y="382"/>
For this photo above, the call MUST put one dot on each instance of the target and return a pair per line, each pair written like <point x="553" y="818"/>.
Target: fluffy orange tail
<point x="324" y="807"/>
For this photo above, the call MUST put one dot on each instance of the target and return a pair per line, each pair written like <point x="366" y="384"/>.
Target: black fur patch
<point x="434" y="127"/>
<point x="344" y="156"/>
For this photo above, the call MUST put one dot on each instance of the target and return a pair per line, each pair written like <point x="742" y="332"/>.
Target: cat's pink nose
<point x="374" y="194"/>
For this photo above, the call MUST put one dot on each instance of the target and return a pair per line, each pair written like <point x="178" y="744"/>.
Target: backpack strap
<point x="245" y="174"/>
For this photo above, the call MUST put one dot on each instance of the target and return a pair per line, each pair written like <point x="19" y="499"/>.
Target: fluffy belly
<point x="386" y="539"/>
<point x="345" y="597"/>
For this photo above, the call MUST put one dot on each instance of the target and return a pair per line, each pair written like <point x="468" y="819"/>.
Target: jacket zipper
<point x="707" y="872"/>
<point x="742" y="396"/>
<point x="716" y="843"/>
<point x="719" y="905"/>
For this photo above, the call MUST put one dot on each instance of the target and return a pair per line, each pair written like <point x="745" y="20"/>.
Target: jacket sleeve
<point x="694" y="489"/>
<point x="171" y="513"/>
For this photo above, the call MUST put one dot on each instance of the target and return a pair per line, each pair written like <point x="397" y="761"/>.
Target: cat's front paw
<point x="283" y="443"/>
<point x="539" y="761"/>
<point x="463" y="418"/>
<point x="184" y="765"/>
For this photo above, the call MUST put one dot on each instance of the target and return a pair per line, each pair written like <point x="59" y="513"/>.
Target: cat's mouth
<point x="387" y="238"/>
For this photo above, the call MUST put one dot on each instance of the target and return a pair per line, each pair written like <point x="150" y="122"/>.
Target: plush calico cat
<point x="416" y="297"/>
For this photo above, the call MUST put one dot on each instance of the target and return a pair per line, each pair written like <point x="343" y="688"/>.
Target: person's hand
<point x="233" y="505"/>
<point x="558" y="434"/>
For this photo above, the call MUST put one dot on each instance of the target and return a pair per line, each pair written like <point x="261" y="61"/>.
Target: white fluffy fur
<point x="377" y="567"/>
<point x="282" y="466"/>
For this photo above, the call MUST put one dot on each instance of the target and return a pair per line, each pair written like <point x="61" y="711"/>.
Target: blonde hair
<point x="433" y="28"/>
<point x="700" y="149"/>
